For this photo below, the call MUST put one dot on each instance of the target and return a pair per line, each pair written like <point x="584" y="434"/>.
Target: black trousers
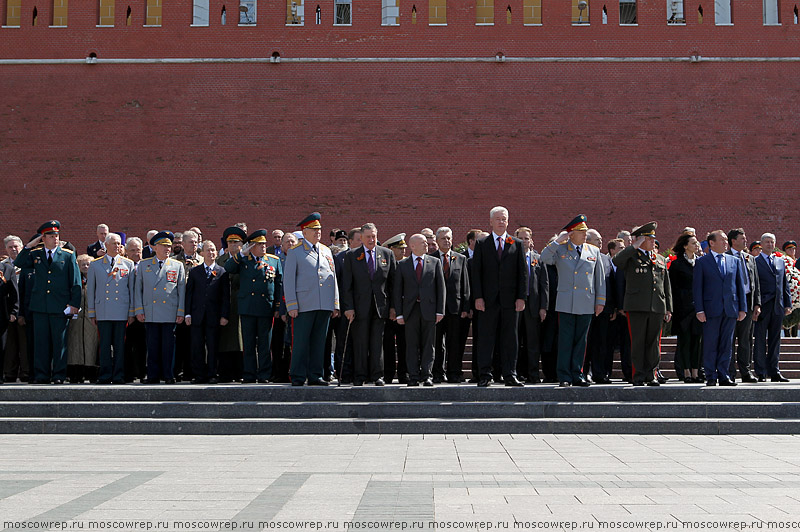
<point x="549" y="346"/>
<point x="3" y="339"/>
<point x="256" y="339"/>
<point x="448" y="349"/>
<point x="494" y="321"/>
<point x="281" y="350"/>
<point x="597" y="348"/>
<point x="394" y="352"/>
<point x="112" y="338"/>
<point x="367" y="334"/>
<point x="645" y="331"/>
<point x="16" y="362"/>
<point x="331" y="340"/>
<point x="50" y="348"/>
<point x="743" y="338"/>
<point x="135" y="351"/>
<point x="530" y="332"/>
<point x="183" y="352"/>
<point x="205" y="340"/>
<point x="343" y="353"/>
<point x="160" y="350"/>
<point x="767" y="345"/>
<point x="620" y="337"/>
<point x="419" y="345"/>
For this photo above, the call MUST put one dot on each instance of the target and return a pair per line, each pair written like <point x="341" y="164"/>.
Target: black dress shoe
<point x="427" y="382"/>
<point x="358" y="383"/>
<point x="380" y="382"/>
<point x="484" y="383"/>
<point x="698" y="380"/>
<point x="726" y="382"/>
<point x="263" y="381"/>
<point x="564" y="384"/>
<point x="412" y="383"/>
<point x="534" y="380"/>
<point x="213" y="380"/>
<point x="437" y="380"/>
<point x="169" y="381"/>
<point x="582" y="383"/>
<point x="150" y="381"/>
<point x="248" y="381"/>
<point x="604" y="380"/>
<point x="58" y="381"/>
<point x="638" y="383"/>
<point x="749" y="377"/>
<point x="98" y="382"/>
<point x="761" y="378"/>
<point x="779" y="378"/>
<point x="513" y="381"/>
<point x="654" y="382"/>
<point x="473" y="380"/>
<point x="317" y="382"/>
<point x="711" y="383"/>
<point x="198" y="381"/>
<point x="297" y="383"/>
<point x="688" y="380"/>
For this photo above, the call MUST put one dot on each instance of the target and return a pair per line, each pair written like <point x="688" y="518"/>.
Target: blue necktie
<point x="719" y="264"/>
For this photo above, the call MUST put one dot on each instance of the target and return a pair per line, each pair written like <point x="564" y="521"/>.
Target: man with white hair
<point x="148" y="250"/>
<point x="500" y="284"/>
<point x="98" y="249"/>
<point x="16" y="363"/>
<point x="776" y="303"/>
<point x="109" y="300"/>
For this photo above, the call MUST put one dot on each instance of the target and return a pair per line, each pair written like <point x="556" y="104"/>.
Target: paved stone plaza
<point x="363" y="482"/>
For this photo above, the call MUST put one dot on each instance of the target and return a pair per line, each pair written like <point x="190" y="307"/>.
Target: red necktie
<point x="419" y="269"/>
<point x="447" y="265"/>
<point x="499" y="247"/>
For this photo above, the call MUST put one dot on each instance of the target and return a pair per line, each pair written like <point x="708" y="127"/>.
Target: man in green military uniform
<point x="312" y="298"/>
<point x="230" y="335"/>
<point x="260" y="294"/>
<point x="56" y="296"/>
<point x="647" y="301"/>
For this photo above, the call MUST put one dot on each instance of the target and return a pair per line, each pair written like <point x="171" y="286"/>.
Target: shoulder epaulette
<point x="273" y="256"/>
<point x="323" y="245"/>
<point x="68" y="250"/>
<point x="592" y="245"/>
<point x="297" y="245"/>
<point x="97" y="258"/>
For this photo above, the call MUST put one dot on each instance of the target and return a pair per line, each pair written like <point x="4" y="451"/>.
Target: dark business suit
<point x="597" y="346"/>
<point x="208" y="298"/>
<point x="448" y="331"/>
<point x="93" y="249"/>
<point x="9" y="305"/>
<point x="743" y="334"/>
<point x="472" y="322"/>
<point x="148" y="252"/>
<point x="370" y="298"/>
<point x="530" y="323"/>
<point x="418" y="302"/>
<point x="500" y="281"/>
<point x="343" y="352"/>
<point x="720" y="295"/>
<point x="684" y="316"/>
<point x="774" y="299"/>
<point x="549" y="328"/>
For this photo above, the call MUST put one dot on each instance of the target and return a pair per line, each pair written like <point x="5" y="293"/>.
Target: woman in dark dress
<point x="686" y="326"/>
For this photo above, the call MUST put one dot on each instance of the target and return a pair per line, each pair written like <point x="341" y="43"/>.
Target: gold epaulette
<point x="98" y="258"/>
<point x="68" y="250"/>
<point x="273" y="256"/>
<point x="297" y="245"/>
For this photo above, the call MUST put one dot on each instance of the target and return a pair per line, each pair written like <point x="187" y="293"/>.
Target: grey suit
<point x="159" y="295"/>
<point x="420" y="302"/>
<point x="109" y="299"/>
<point x="743" y="334"/>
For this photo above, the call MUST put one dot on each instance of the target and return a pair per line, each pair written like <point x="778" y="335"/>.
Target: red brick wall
<point x="403" y="145"/>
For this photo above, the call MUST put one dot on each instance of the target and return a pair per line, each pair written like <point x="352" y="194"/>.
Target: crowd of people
<point x="287" y="307"/>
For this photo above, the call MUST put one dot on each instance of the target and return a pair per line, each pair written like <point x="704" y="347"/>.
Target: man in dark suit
<point x="419" y="296"/>
<point x="208" y="305"/>
<point x="598" y="339"/>
<point x="500" y="276"/>
<point x="719" y="301"/>
<point x="457" y="307"/>
<point x="343" y="353"/>
<point x="277" y="247"/>
<point x="98" y="249"/>
<point x="743" y="335"/>
<point x="367" y="302"/>
<point x="775" y="304"/>
<point x="472" y="317"/>
<point x="149" y="251"/>
<point x="9" y="306"/>
<point x="55" y="297"/>
<point x="530" y="319"/>
<point x="394" y="335"/>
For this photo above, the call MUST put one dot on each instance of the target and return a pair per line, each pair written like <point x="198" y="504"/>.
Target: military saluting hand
<point x="562" y="237"/>
<point x="33" y="243"/>
<point x="638" y="242"/>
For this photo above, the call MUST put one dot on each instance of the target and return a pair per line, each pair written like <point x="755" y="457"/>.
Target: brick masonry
<point x="404" y="145"/>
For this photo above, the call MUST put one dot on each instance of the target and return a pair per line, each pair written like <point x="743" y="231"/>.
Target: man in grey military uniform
<point x="110" y="284"/>
<point x="581" y="295"/>
<point x="312" y="298"/>
<point x="158" y="303"/>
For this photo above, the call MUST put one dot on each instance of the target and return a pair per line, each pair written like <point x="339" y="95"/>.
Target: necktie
<point x="419" y="269"/>
<point x="112" y="263"/>
<point x="159" y="264"/>
<point x="208" y="272"/>
<point x="578" y="249"/>
<point x="49" y="257"/>
<point x="447" y="265"/>
<point x="719" y="264"/>
<point x="370" y="264"/>
<point x="499" y="247"/>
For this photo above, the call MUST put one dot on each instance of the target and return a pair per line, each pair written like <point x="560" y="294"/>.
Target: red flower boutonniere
<point x="360" y="257"/>
<point x="213" y="273"/>
<point x="452" y="257"/>
<point x="534" y="262"/>
<point x="509" y="240"/>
